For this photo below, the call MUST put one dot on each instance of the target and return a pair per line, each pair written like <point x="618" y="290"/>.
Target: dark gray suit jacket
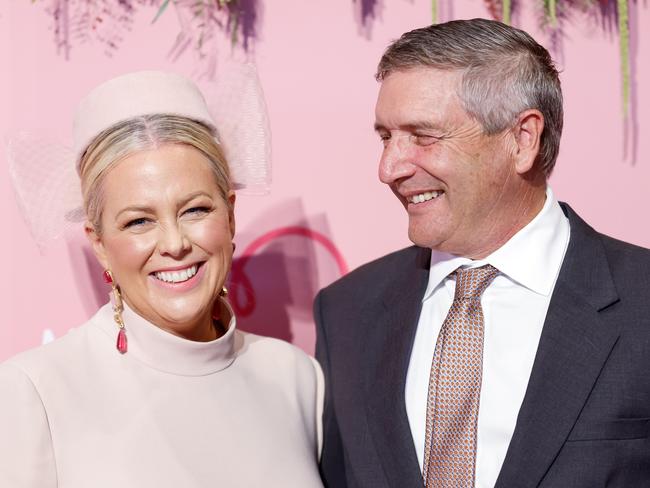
<point x="585" y="418"/>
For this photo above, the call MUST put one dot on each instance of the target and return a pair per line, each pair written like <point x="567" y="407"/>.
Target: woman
<point x="158" y="389"/>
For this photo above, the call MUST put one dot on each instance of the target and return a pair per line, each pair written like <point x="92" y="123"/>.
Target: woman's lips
<point x="178" y="274"/>
<point x="179" y="279"/>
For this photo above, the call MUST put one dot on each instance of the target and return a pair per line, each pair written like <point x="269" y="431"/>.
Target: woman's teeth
<point x="177" y="276"/>
<point x="423" y="197"/>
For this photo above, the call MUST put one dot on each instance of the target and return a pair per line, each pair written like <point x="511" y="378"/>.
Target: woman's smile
<point x="179" y="279"/>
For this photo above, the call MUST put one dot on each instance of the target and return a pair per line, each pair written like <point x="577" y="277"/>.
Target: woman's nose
<point x="174" y="240"/>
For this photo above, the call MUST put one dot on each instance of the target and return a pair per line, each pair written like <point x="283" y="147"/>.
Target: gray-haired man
<point x="510" y="346"/>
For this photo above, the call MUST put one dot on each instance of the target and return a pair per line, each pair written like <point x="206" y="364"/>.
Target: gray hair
<point x="139" y="134"/>
<point x="504" y="72"/>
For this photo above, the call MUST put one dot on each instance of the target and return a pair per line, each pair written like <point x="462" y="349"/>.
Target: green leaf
<point x="550" y="10"/>
<point x="552" y="7"/>
<point x="624" y="49"/>
<point x="162" y="8"/>
<point x="505" y="12"/>
<point x="234" y="29"/>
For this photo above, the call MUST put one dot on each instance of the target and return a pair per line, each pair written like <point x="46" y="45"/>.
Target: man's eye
<point x="425" y="140"/>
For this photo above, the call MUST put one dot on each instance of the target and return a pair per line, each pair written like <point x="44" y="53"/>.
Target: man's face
<point x="457" y="184"/>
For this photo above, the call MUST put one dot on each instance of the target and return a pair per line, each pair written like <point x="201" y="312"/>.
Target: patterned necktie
<point x="455" y="386"/>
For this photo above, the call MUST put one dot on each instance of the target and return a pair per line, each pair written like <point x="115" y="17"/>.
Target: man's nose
<point x="173" y="240"/>
<point x="396" y="160"/>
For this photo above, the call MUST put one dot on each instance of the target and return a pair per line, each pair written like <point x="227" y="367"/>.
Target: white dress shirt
<point x="514" y="309"/>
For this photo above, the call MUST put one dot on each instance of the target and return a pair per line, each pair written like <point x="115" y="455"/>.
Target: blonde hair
<point x="142" y="133"/>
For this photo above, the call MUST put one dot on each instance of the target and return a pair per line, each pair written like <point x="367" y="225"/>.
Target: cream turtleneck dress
<point x="240" y="411"/>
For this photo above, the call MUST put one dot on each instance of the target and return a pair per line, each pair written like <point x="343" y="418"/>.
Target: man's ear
<point x="528" y="135"/>
<point x="97" y="245"/>
<point x="231" y="212"/>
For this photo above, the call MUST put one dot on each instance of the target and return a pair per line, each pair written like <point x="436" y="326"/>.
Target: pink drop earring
<point x="116" y="299"/>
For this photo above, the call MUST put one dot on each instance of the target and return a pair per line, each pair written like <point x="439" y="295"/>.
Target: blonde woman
<point x="158" y="389"/>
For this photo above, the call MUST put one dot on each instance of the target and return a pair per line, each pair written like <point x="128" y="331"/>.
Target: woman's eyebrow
<point x="134" y="208"/>
<point x="193" y="195"/>
<point x="147" y="209"/>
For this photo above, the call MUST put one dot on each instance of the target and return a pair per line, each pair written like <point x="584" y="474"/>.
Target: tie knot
<point x="472" y="282"/>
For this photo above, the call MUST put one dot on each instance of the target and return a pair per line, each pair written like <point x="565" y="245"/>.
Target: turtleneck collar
<point x="166" y="352"/>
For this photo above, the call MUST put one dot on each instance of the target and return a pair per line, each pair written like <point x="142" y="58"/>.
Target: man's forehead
<point x="418" y="86"/>
<point x="417" y="98"/>
<point x="433" y="74"/>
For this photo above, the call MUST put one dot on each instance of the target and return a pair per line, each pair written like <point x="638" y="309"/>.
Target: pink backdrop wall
<point x="316" y="64"/>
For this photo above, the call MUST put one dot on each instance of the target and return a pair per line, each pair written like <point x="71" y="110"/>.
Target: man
<point x="510" y="346"/>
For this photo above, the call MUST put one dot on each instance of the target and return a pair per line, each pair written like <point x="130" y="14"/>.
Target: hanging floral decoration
<point x="201" y="20"/>
<point x="103" y="22"/>
<point x="624" y="47"/>
<point x="367" y="10"/>
<point x="555" y="12"/>
<point x="107" y="22"/>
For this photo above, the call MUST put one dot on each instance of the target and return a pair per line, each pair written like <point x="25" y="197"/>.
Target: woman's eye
<point x="196" y="211"/>
<point x="136" y="222"/>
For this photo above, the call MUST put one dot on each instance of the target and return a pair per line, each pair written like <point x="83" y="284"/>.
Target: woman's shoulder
<point x="57" y="355"/>
<point x="279" y="348"/>
<point x="276" y="353"/>
<point x="285" y="366"/>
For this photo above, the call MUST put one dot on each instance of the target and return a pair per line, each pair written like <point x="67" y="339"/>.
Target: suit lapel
<point x="392" y="329"/>
<point x="573" y="348"/>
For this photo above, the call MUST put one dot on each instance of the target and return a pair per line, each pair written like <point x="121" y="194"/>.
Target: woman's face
<point x="167" y="237"/>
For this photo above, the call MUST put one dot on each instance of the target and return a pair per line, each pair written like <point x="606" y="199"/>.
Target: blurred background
<point x="326" y="213"/>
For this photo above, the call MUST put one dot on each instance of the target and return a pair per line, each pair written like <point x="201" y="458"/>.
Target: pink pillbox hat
<point x="133" y="95"/>
<point x="44" y="173"/>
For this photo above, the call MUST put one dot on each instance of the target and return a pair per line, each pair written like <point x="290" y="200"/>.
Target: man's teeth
<point x="177" y="276"/>
<point x="423" y="197"/>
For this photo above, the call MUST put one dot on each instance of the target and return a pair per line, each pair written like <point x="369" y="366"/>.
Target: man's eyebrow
<point x="422" y="124"/>
<point x="411" y="126"/>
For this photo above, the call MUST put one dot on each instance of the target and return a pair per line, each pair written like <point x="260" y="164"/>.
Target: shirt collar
<point x="532" y="257"/>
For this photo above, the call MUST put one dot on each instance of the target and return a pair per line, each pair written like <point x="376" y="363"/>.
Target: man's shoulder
<point x="625" y="257"/>
<point x="611" y="244"/>
<point x="628" y="264"/>
<point x="361" y="291"/>
<point x="613" y="247"/>
<point x="617" y="246"/>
